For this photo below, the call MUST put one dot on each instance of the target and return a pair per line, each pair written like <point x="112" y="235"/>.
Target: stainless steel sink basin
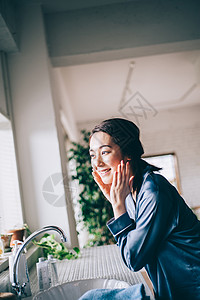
<point x="75" y="289"/>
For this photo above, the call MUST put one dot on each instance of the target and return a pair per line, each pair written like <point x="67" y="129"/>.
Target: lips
<point x="104" y="171"/>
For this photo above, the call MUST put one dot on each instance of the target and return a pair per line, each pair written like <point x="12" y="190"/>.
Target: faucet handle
<point x="19" y="288"/>
<point x="23" y="285"/>
<point x="16" y="287"/>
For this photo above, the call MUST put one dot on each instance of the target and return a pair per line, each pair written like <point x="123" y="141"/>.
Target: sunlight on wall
<point x="11" y="211"/>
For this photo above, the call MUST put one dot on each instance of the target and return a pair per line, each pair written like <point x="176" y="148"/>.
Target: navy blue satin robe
<point x="162" y="234"/>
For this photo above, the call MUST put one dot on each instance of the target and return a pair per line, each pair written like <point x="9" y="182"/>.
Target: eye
<point x="105" y="152"/>
<point x="92" y="156"/>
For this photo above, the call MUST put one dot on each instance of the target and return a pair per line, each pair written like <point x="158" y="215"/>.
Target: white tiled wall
<point x="178" y="131"/>
<point x="185" y="143"/>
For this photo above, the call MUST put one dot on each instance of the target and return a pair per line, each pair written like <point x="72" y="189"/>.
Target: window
<point x="168" y="163"/>
<point x="73" y="184"/>
<point x="11" y="210"/>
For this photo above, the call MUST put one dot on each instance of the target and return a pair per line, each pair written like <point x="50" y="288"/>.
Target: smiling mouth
<point x="104" y="172"/>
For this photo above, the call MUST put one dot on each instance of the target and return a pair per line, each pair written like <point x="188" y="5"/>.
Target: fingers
<point x="115" y="178"/>
<point x="97" y="178"/>
<point x="123" y="170"/>
<point x="120" y="177"/>
<point x="123" y="173"/>
<point x="127" y="172"/>
<point x="131" y="182"/>
<point x="95" y="175"/>
<point x="119" y="174"/>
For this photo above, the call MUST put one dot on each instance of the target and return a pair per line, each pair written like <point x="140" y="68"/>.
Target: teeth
<point x="103" y="172"/>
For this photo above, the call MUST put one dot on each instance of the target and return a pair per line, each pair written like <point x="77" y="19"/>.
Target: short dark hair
<point x="125" y="134"/>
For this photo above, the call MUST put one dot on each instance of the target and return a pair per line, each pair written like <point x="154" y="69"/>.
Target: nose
<point x="99" y="161"/>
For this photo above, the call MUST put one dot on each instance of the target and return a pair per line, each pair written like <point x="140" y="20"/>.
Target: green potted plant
<point x="96" y="210"/>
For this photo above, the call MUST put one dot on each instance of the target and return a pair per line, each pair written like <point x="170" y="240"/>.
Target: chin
<point x="106" y="180"/>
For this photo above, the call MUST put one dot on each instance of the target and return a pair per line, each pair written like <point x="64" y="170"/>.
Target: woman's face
<point x="105" y="156"/>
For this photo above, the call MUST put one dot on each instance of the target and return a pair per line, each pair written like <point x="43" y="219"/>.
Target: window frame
<point x="176" y="167"/>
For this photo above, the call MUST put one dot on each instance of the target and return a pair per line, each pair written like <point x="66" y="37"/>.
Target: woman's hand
<point x="120" y="188"/>
<point x="105" y="188"/>
<point x="117" y="192"/>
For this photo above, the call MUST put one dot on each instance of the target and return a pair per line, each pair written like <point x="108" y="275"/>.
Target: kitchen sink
<point x="75" y="289"/>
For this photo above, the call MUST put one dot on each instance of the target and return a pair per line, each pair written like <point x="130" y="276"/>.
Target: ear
<point x="126" y="158"/>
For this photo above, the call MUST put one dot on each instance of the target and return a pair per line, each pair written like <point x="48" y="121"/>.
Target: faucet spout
<point x="16" y="286"/>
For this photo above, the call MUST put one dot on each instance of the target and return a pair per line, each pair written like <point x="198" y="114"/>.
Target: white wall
<point x="177" y="131"/>
<point x="35" y="124"/>
<point x="66" y="112"/>
<point x="66" y="125"/>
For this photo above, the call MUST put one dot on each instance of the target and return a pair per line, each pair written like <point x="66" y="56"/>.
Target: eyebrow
<point x="101" y="147"/>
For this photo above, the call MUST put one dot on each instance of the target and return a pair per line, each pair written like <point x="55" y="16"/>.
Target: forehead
<point x="100" y="138"/>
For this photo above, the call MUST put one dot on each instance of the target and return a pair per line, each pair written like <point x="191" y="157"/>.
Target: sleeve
<point x="140" y="239"/>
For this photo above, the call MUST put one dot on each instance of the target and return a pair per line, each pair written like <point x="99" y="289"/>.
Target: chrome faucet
<point x="20" y="288"/>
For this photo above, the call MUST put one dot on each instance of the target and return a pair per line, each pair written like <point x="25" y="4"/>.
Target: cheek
<point x="115" y="162"/>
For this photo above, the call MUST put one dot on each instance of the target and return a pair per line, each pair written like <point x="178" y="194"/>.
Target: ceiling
<point x="96" y="90"/>
<point x="165" y="81"/>
<point x="52" y="6"/>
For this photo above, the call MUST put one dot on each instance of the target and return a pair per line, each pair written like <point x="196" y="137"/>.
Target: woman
<point x="153" y="226"/>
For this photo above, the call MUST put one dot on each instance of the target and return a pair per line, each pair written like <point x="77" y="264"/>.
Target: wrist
<point x="118" y="211"/>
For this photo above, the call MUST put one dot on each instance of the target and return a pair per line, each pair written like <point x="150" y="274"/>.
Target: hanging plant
<point x="96" y="209"/>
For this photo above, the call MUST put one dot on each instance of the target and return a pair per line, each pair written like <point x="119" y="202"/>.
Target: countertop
<point x="95" y="262"/>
